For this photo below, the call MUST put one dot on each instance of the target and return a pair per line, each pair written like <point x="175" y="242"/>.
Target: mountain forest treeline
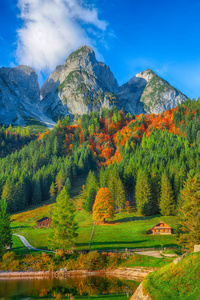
<point x="142" y="160"/>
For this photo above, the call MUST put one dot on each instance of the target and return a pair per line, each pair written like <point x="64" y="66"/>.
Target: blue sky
<point x="129" y="36"/>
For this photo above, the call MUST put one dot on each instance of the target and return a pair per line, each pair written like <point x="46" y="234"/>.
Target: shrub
<point x="94" y="261"/>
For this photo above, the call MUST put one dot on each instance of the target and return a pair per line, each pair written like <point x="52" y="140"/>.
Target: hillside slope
<point x="175" y="281"/>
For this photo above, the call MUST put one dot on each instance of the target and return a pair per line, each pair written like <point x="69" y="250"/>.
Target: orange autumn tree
<point x="103" y="207"/>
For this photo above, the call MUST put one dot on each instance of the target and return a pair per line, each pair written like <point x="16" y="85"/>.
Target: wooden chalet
<point x="44" y="222"/>
<point x="160" y="228"/>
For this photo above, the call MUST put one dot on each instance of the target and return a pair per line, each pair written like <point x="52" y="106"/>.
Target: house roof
<point x="161" y="227"/>
<point x="45" y="218"/>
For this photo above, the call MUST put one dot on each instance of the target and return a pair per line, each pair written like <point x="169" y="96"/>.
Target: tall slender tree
<point x="143" y="195"/>
<point x="5" y="231"/>
<point x="64" y="225"/>
<point x="167" y="203"/>
<point x="189" y="212"/>
<point x="89" y="191"/>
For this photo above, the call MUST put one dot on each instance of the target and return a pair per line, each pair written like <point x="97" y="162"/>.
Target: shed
<point x="160" y="228"/>
<point x="44" y="222"/>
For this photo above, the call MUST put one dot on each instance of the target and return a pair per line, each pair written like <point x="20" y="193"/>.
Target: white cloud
<point x="52" y="29"/>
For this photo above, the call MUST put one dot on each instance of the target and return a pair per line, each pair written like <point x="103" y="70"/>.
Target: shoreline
<point x="137" y="273"/>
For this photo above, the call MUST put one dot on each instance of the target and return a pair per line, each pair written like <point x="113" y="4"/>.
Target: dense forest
<point x="143" y="160"/>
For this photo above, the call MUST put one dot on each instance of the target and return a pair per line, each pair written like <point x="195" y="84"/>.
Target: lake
<point x="83" y="287"/>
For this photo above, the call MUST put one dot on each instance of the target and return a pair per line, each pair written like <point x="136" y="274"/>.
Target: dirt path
<point x="157" y="254"/>
<point x="27" y="245"/>
<point x="151" y="253"/>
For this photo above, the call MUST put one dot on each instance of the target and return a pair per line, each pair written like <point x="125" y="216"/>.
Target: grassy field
<point x="125" y="231"/>
<point x="129" y="231"/>
<point x="180" y="281"/>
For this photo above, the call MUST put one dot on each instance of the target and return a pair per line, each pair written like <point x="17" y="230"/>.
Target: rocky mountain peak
<point x="146" y="92"/>
<point x="80" y="53"/>
<point x="81" y="85"/>
<point x="147" y="74"/>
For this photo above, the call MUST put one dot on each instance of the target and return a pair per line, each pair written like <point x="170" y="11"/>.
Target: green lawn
<point x="180" y="281"/>
<point x="129" y="231"/>
<point x="125" y="231"/>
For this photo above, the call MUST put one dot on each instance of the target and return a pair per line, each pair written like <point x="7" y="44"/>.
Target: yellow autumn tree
<point x="103" y="207"/>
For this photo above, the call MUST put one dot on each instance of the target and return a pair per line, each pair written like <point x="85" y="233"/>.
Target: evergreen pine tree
<point x="59" y="181"/>
<point x="143" y="195"/>
<point x="8" y="194"/>
<point x="52" y="191"/>
<point x="36" y="197"/>
<point x="120" y="196"/>
<point x="63" y="222"/>
<point x="68" y="184"/>
<point x="89" y="191"/>
<point x="189" y="212"/>
<point x="5" y="231"/>
<point x="167" y="203"/>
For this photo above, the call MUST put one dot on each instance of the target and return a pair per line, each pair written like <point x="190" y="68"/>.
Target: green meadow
<point x="127" y="230"/>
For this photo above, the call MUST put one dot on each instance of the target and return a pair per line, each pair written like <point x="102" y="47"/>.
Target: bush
<point x="94" y="261"/>
<point x="113" y="260"/>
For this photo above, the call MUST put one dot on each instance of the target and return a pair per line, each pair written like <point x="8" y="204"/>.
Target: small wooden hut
<point x="160" y="228"/>
<point x="44" y="222"/>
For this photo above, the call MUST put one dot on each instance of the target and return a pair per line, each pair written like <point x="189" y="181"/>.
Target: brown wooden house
<point x="44" y="222"/>
<point x="160" y="228"/>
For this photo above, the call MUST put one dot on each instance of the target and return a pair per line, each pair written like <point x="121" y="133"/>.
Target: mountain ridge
<point x="78" y="87"/>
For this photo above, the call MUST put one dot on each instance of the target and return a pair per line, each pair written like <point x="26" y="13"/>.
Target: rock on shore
<point x="140" y="295"/>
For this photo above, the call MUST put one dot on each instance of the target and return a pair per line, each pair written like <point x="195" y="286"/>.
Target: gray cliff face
<point x="80" y="86"/>
<point x="19" y="96"/>
<point x="52" y="83"/>
<point x="148" y="93"/>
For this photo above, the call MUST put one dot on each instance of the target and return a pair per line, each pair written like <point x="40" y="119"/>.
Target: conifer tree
<point x="89" y="191"/>
<point x="68" y="184"/>
<point x="8" y="193"/>
<point x="36" y="197"/>
<point x="167" y="203"/>
<point x="103" y="207"/>
<point x="64" y="226"/>
<point x="155" y="191"/>
<point x="143" y="195"/>
<point x="120" y="197"/>
<point x="5" y="231"/>
<point x="189" y="212"/>
<point x="59" y="181"/>
<point x="116" y="189"/>
<point x="103" y="177"/>
<point x="52" y="191"/>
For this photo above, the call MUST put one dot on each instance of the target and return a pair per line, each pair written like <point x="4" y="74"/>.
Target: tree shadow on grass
<point x="130" y="245"/>
<point x="115" y="245"/>
<point x="82" y="245"/>
<point x="20" y="227"/>
<point x="130" y="219"/>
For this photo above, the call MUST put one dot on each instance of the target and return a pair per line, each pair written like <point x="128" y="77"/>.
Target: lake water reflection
<point x="92" y="287"/>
